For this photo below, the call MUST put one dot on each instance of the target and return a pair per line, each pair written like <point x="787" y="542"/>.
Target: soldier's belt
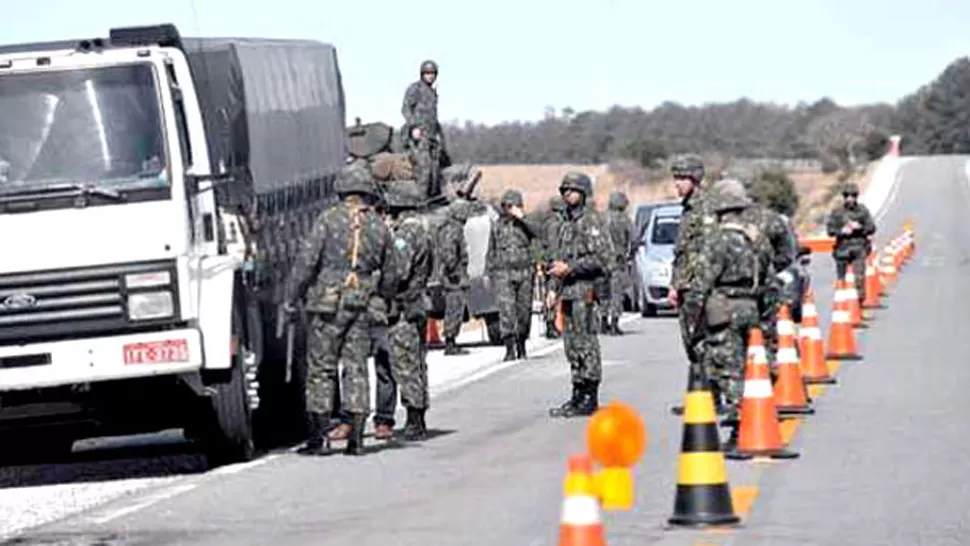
<point x="739" y="292"/>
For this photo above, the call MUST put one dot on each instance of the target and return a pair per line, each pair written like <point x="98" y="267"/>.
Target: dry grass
<point x="540" y="182"/>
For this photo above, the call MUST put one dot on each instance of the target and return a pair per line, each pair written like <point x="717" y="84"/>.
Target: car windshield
<point x="665" y="230"/>
<point x="95" y="126"/>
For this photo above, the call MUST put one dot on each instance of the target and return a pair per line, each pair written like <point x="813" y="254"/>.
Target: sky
<point x="511" y="59"/>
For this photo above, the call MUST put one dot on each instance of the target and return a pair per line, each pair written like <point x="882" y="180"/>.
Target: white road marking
<point x="145" y="502"/>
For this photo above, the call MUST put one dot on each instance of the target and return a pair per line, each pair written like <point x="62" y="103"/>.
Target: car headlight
<point x="150" y="305"/>
<point x="148" y="280"/>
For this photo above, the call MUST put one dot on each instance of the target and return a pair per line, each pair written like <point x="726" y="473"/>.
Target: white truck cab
<point x="127" y="300"/>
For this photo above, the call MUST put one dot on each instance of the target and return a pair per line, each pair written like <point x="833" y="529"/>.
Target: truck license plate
<point x="157" y="352"/>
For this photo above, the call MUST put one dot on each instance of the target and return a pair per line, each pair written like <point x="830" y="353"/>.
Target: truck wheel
<point x="493" y="330"/>
<point x="39" y="447"/>
<point x="229" y="437"/>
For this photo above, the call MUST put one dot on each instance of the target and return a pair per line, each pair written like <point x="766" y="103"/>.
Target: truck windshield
<point x="93" y="126"/>
<point x="665" y="230"/>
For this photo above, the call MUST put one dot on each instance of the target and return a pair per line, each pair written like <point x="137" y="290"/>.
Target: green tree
<point x="774" y="189"/>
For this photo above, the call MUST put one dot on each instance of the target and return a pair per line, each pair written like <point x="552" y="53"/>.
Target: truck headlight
<point x="148" y="280"/>
<point x="150" y="305"/>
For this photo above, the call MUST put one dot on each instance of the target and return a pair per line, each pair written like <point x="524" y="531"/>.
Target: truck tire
<point x="228" y="438"/>
<point x="37" y="447"/>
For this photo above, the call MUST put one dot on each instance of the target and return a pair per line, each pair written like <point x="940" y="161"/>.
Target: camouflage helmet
<point x="429" y="66"/>
<point x="356" y="179"/>
<point x="618" y="200"/>
<point x="850" y="188"/>
<point x="575" y="180"/>
<point x="688" y="166"/>
<point x="556" y="203"/>
<point x="513" y="198"/>
<point x="729" y="194"/>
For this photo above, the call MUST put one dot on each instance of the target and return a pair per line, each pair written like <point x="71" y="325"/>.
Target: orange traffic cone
<point x="580" y="523"/>
<point x="851" y="296"/>
<point x="813" y="367"/>
<point x="760" y="432"/>
<point x="887" y="271"/>
<point x="841" y="342"/>
<point x="791" y="396"/>
<point x="560" y="320"/>
<point x="873" y="286"/>
<point x="432" y="332"/>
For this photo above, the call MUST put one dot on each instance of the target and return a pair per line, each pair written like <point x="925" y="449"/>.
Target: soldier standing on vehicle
<point x="852" y="226"/>
<point x="550" y="238"/>
<point x="451" y="272"/>
<point x="581" y="256"/>
<point x="722" y="304"/>
<point x="509" y="266"/>
<point x="620" y="228"/>
<point x="696" y="219"/>
<point x="344" y="274"/>
<point x="423" y="137"/>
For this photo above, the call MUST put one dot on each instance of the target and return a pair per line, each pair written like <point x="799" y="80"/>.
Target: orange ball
<point x="616" y="435"/>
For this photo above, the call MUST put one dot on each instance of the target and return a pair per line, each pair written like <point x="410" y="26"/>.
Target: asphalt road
<point x="881" y="460"/>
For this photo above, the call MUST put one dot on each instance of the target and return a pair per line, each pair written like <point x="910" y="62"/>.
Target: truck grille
<point x="57" y="304"/>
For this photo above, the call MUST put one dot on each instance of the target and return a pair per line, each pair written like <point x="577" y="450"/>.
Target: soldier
<point x="509" y="266"/>
<point x="688" y="172"/>
<point x="722" y="303"/>
<point x="423" y="136"/>
<point x="620" y="228"/>
<point x="582" y="254"/>
<point x="774" y="227"/>
<point x="409" y="320"/>
<point x="852" y="226"/>
<point x="550" y="237"/>
<point x="451" y="272"/>
<point x="344" y="273"/>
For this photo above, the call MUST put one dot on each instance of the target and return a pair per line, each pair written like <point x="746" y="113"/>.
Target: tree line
<point x="935" y="119"/>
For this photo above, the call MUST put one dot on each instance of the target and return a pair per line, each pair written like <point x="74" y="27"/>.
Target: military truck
<point x="376" y="144"/>
<point x="153" y="191"/>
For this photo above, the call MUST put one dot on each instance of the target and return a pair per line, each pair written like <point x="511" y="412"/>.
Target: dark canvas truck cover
<point x="273" y="109"/>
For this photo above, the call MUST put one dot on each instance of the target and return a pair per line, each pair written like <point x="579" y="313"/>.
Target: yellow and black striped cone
<point x="703" y="493"/>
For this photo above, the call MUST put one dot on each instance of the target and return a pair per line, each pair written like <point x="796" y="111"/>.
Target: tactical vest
<point x="744" y="273"/>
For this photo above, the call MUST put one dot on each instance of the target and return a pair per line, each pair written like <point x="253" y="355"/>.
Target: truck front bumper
<point x="89" y="360"/>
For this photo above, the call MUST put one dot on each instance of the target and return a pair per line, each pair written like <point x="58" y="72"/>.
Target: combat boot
<point x="318" y="442"/>
<point x="569" y="406"/>
<point x="520" y="348"/>
<point x="452" y="349"/>
<point x="616" y="327"/>
<point x="415" y="429"/>
<point x="605" y="326"/>
<point x="355" y="440"/>
<point x="509" y="349"/>
<point x="589" y="400"/>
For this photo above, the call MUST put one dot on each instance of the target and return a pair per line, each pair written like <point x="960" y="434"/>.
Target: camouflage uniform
<point x="451" y="270"/>
<point x="852" y="244"/>
<point x="550" y="237"/>
<point x="722" y="304"/>
<point x="509" y="266"/>
<point x="620" y="228"/>
<point x="695" y="220"/>
<point x="345" y="294"/>
<point x="409" y="319"/>
<point x="586" y="249"/>
<point x="773" y="226"/>
<point x="420" y="111"/>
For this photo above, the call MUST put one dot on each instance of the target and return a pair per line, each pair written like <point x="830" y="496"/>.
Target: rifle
<point x="285" y="325"/>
